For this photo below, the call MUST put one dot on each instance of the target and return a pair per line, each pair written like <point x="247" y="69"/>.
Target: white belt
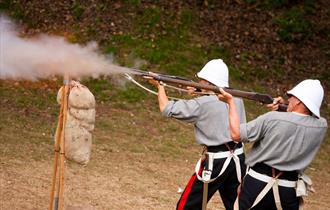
<point x="226" y="154"/>
<point x="219" y="155"/>
<point x="265" y="178"/>
<point x="272" y="183"/>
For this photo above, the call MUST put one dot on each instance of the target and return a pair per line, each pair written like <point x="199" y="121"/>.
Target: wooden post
<point x="59" y="151"/>
<point x="62" y="145"/>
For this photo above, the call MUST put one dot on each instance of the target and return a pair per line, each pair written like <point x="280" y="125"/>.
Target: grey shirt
<point x="209" y="116"/>
<point x="286" y="141"/>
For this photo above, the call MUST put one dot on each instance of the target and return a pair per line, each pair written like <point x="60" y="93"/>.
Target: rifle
<point x="260" y="97"/>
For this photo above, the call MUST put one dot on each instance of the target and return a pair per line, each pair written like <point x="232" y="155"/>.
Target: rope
<point x="130" y="78"/>
<point x="145" y="88"/>
<point x="187" y="91"/>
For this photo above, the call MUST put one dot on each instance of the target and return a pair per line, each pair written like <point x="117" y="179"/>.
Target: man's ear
<point x="299" y="102"/>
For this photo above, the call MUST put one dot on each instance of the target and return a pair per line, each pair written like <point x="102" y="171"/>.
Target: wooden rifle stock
<point x="263" y="98"/>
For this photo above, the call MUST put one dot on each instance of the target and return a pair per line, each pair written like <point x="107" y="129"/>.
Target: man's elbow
<point x="162" y="105"/>
<point x="162" y="108"/>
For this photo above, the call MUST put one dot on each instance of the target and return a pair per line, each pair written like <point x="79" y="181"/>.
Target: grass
<point x="5" y="5"/>
<point x="293" y="26"/>
<point x="134" y="2"/>
<point x="291" y="18"/>
<point x="156" y="37"/>
<point x="308" y="5"/>
<point x="16" y="11"/>
<point x="26" y="136"/>
<point x="136" y="125"/>
<point x="77" y="10"/>
<point x="124" y="121"/>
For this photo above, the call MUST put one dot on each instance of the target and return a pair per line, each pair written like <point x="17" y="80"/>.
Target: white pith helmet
<point x="216" y="72"/>
<point x="311" y="93"/>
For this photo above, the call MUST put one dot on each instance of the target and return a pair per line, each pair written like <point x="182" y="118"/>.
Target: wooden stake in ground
<point x="59" y="152"/>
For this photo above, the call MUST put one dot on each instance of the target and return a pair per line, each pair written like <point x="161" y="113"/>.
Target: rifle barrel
<point x="237" y="93"/>
<point x="263" y="98"/>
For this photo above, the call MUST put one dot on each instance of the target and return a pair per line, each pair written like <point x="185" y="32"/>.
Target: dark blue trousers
<point x="226" y="184"/>
<point x="252" y="187"/>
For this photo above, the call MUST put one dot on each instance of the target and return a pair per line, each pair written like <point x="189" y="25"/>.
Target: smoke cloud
<point x="44" y="56"/>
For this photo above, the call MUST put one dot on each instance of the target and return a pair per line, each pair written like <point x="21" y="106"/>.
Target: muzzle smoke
<point x="44" y="56"/>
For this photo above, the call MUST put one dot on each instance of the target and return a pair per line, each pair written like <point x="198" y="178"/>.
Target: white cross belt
<point x="219" y="155"/>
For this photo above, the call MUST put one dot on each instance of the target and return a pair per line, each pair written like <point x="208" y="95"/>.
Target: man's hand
<point x="151" y="80"/>
<point x="274" y="106"/>
<point x="162" y="97"/>
<point x="224" y="96"/>
<point x="154" y="82"/>
<point x="191" y="90"/>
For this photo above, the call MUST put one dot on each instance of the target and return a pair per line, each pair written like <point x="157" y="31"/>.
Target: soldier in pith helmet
<point x="284" y="144"/>
<point x="223" y="163"/>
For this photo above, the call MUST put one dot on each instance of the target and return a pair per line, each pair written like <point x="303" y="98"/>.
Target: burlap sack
<point x="80" y="123"/>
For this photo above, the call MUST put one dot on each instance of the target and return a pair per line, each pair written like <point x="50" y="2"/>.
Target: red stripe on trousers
<point x="186" y="192"/>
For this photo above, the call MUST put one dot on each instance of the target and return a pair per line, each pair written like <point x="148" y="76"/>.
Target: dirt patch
<point x="119" y="181"/>
<point x="127" y="170"/>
